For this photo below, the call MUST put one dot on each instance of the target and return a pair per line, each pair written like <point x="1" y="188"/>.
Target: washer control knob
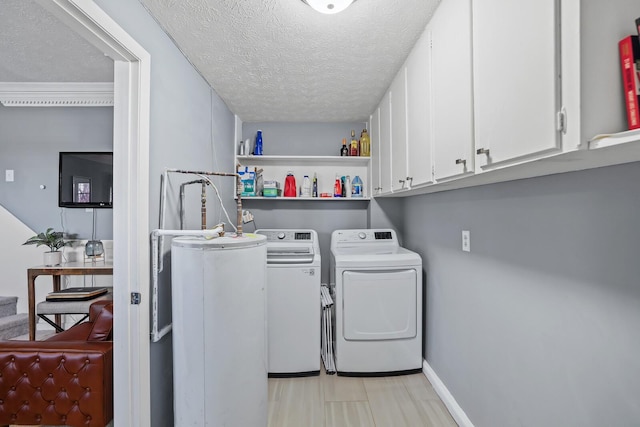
<point x="362" y="235"/>
<point x="281" y="235"/>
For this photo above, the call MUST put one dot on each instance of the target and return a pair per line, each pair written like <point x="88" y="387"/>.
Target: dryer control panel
<point x="288" y="235"/>
<point x="364" y="236"/>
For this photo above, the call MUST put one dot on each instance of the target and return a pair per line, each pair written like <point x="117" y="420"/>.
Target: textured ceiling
<point x="36" y="47"/>
<point x="269" y="60"/>
<point x="279" y="60"/>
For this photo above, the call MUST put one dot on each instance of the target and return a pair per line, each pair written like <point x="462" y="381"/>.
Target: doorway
<point x="130" y="203"/>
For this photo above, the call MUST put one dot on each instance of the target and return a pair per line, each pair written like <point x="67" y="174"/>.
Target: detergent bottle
<point x="257" y="150"/>
<point x="357" y="189"/>
<point x="306" y="186"/>
<point x="337" y="187"/>
<point x="290" y="188"/>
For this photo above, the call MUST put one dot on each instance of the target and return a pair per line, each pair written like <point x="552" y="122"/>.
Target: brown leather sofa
<point x="65" y="380"/>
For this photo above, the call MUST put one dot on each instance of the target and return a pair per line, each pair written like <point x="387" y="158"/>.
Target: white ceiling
<point x="36" y="47"/>
<point x="269" y="60"/>
<point x="279" y="60"/>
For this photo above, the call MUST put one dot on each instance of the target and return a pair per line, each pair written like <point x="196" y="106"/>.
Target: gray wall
<point x="538" y="324"/>
<point x="30" y="140"/>
<point x="190" y="128"/>
<point x="301" y="139"/>
<point x="312" y="139"/>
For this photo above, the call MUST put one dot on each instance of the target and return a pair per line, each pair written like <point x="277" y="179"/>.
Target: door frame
<point x="131" y="373"/>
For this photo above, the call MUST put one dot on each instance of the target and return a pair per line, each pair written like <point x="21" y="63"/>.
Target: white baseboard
<point x="447" y="398"/>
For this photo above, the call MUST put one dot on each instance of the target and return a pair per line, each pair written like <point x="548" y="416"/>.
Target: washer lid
<point x="381" y="258"/>
<point x="229" y="241"/>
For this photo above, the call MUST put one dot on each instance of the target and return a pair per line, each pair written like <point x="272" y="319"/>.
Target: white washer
<point x="378" y="298"/>
<point x="293" y="302"/>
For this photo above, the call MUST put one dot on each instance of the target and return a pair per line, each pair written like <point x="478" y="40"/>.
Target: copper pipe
<point x="203" y="207"/>
<point x="238" y="205"/>
<point x="239" y="199"/>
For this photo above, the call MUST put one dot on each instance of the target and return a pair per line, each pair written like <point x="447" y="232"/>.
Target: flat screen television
<point x="85" y="180"/>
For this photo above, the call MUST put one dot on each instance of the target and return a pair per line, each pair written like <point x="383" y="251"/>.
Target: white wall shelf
<point x="326" y="168"/>
<point x="309" y="199"/>
<point x="297" y="160"/>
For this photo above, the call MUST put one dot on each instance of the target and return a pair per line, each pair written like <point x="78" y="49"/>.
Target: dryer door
<point x="379" y="305"/>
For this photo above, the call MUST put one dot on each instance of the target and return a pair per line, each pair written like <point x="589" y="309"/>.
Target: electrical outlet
<point x="466" y="241"/>
<point x="8" y="175"/>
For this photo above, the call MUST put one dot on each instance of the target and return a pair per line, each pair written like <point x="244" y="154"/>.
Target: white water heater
<point x="219" y="331"/>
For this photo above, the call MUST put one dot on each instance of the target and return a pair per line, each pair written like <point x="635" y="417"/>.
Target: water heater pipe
<point x="156" y="335"/>
<point x="163" y="196"/>
<point x="184" y="184"/>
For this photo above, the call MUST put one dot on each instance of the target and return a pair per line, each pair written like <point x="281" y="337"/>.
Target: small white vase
<point x="52" y="258"/>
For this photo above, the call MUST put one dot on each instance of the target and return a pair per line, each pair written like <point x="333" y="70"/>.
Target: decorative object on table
<point x="94" y="249"/>
<point x="54" y="240"/>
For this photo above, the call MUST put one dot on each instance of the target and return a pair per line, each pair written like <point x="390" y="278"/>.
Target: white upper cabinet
<point x="384" y="154"/>
<point x="374" y="134"/>
<point x="516" y="79"/>
<point x="452" y="89"/>
<point x="419" y="124"/>
<point x="399" y="131"/>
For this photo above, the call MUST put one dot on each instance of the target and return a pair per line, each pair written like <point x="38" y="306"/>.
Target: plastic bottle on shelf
<point x="357" y="189"/>
<point x="354" y="146"/>
<point x="257" y="150"/>
<point x="290" y="189"/>
<point x="365" y="143"/>
<point x="314" y="192"/>
<point x="344" y="151"/>
<point x="306" y="186"/>
<point x="347" y="185"/>
<point x="337" y="187"/>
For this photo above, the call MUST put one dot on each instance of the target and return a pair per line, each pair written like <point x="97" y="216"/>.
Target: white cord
<point x="93" y="227"/>
<point x="64" y="256"/>
<point x="219" y="199"/>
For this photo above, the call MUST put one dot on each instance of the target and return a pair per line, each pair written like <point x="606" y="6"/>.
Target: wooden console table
<point x="67" y="269"/>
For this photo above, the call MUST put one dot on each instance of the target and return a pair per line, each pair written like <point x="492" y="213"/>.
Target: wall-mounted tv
<point x="85" y="180"/>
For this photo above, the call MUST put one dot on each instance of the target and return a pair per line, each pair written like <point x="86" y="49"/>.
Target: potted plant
<point x="54" y="240"/>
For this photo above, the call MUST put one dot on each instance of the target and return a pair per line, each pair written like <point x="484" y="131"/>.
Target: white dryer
<point x="378" y="298"/>
<point x="293" y="302"/>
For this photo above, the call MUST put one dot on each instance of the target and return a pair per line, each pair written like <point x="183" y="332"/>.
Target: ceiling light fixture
<point x="329" y="6"/>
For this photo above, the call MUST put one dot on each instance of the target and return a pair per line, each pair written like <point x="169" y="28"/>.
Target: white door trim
<point x="131" y="202"/>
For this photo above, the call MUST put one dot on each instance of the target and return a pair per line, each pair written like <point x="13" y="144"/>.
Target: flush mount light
<point x="329" y="6"/>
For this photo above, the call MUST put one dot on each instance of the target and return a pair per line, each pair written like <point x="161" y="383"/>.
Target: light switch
<point x="8" y="175"/>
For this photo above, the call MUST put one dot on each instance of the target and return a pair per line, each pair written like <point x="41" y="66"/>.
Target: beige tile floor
<point x="332" y="401"/>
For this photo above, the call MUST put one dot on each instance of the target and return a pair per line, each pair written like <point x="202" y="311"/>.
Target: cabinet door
<point x="385" y="144"/>
<point x="374" y="134"/>
<point x="516" y="79"/>
<point x="452" y="89"/>
<point x="399" y="131"/>
<point x="419" y="112"/>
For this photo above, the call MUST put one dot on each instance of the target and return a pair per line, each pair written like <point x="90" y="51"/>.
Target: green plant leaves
<point x="53" y="239"/>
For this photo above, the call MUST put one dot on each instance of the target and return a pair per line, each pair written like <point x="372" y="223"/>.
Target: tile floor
<point x="332" y="401"/>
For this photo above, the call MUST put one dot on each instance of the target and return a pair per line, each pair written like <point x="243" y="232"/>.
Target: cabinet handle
<point x="461" y="162"/>
<point x="378" y="188"/>
<point x="482" y="151"/>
